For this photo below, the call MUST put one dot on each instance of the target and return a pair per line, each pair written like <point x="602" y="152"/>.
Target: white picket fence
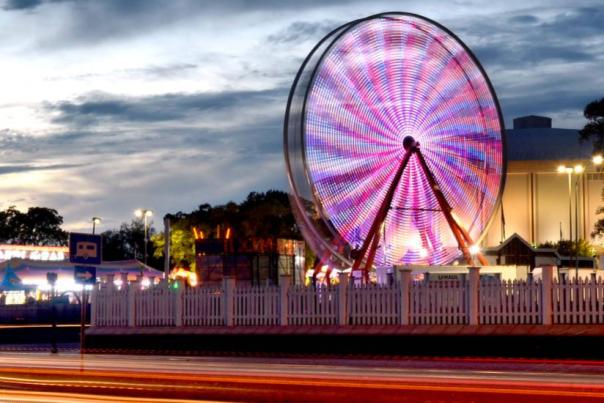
<point x="109" y="307"/>
<point x="312" y="306"/>
<point x="256" y="306"/>
<point x="438" y="303"/>
<point x="203" y="306"/>
<point x="486" y="301"/>
<point x="374" y="305"/>
<point x="510" y="302"/>
<point x="578" y="301"/>
<point x="155" y="306"/>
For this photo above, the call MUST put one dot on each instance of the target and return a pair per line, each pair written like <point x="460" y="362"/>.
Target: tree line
<point x="261" y="214"/>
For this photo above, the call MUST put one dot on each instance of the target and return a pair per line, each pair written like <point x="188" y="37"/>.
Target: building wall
<point x="536" y="203"/>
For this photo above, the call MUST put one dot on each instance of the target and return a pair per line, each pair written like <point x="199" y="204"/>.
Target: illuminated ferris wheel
<point x="394" y="145"/>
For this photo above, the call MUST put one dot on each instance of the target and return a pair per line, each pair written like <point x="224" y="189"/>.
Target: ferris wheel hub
<point x="409" y="142"/>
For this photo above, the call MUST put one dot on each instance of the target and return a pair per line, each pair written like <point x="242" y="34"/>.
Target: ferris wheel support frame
<point x="371" y="242"/>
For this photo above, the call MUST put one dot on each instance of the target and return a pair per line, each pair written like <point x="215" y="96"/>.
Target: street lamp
<point x="577" y="169"/>
<point x="144" y="214"/>
<point x="95" y="221"/>
<point x="474" y="250"/>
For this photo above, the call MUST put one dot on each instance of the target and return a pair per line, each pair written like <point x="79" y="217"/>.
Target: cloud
<point x="169" y="104"/>
<point x="21" y="4"/>
<point x="523" y="19"/>
<point x="101" y="108"/>
<point x="299" y="31"/>
<point x="10" y="169"/>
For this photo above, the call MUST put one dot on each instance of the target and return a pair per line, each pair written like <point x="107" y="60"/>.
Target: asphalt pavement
<point x="72" y="376"/>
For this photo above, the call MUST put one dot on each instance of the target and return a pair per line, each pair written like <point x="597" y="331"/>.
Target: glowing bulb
<point x="561" y="169"/>
<point x="597" y="159"/>
<point x="474" y="249"/>
<point x="579" y="169"/>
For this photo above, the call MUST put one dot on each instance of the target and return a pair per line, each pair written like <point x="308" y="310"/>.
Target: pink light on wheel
<point x="361" y="91"/>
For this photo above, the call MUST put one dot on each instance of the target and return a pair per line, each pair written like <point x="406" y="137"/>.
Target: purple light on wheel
<point x="365" y="87"/>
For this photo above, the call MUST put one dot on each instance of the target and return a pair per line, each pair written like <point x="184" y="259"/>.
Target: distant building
<point x="536" y="197"/>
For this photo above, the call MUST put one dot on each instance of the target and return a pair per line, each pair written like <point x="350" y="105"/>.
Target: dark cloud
<point x="10" y="169"/>
<point x="303" y="30"/>
<point x="169" y="70"/>
<point x="92" y="21"/>
<point x="572" y="25"/>
<point x="531" y="53"/>
<point x="539" y="60"/>
<point x="21" y="4"/>
<point x="524" y="40"/>
<point x="98" y="108"/>
<point x="523" y="19"/>
<point x="544" y="103"/>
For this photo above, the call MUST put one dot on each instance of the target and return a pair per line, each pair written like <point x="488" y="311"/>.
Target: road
<point x="37" y="377"/>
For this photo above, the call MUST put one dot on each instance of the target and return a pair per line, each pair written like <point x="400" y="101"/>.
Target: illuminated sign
<point x="43" y="253"/>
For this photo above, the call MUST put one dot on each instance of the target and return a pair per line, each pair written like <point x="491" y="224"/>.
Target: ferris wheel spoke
<point x="373" y="75"/>
<point x="379" y="82"/>
<point x="356" y="98"/>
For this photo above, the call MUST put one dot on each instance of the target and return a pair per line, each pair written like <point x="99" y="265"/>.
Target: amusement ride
<point x="394" y="146"/>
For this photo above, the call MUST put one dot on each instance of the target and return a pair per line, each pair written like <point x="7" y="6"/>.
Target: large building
<point x="536" y="198"/>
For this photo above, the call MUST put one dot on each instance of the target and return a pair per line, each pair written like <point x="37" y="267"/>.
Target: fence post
<point x="405" y="278"/>
<point x="109" y="283"/>
<point x="93" y="300"/>
<point x="473" y="292"/>
<point x="547" y="273"/>
<point x="284" y="283"/>
<point x="178" y="305"/>
<point x="228" y="285"/>
<point x="342" y="299"/>
<point x="131" y="289"/>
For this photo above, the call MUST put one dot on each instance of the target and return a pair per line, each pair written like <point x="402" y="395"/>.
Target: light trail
<point x="50" y="397"/>
<point x="196" y="376"/>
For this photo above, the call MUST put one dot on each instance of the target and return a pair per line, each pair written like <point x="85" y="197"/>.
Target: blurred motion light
<point x="474" y="250"/>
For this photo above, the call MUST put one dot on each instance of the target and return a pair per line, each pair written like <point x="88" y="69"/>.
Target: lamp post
<point x="569" y="171"/>
<point x="144" y="214"/>
<point x="577" y="169"/>
<point x="95" y="222"/>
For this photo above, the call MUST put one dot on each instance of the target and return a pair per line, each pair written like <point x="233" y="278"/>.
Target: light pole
<point x="578" y="169"/>
<point x="562" y="169"/>
<point x="144" y="214"/>
<point x="95" y="222"/>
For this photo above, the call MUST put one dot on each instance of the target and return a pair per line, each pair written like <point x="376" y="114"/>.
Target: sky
<point x="107" y="106"/>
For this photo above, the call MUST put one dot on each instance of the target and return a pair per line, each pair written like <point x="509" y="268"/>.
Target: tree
<point x="567" y="248"/>
<point x="39" y="226"/>
<point x="265" y="215"/>
<point x="594" y="131"/>
<point x="128" y="243"/>
<point x="594" y="128"/>
<point x="182" y="244"/>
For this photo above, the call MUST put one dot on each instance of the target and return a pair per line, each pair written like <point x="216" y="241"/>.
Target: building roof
<point x="546" y="144"/>
<point x="515" y="237"/>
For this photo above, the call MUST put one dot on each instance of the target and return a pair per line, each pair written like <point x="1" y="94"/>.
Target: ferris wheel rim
<point x="334" y="37"/>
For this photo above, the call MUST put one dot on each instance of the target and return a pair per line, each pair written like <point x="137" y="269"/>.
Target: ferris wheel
<point x="394" y="145"/>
